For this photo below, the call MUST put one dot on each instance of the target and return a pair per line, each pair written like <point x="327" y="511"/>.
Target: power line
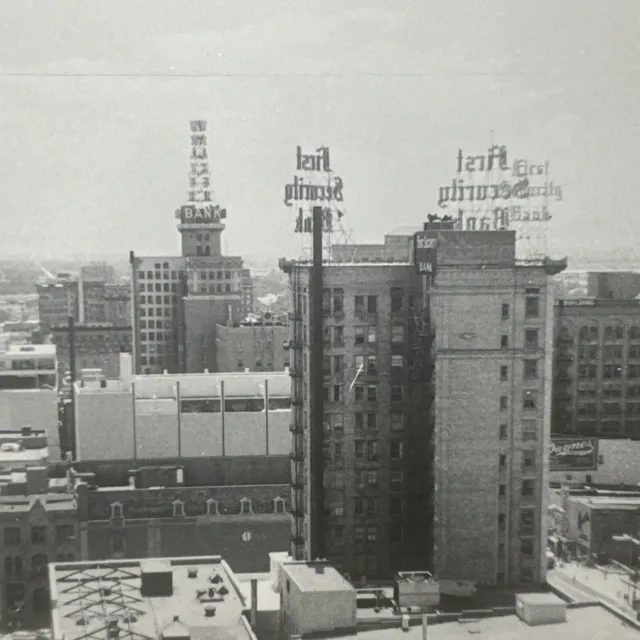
<point x="403" y="74"/>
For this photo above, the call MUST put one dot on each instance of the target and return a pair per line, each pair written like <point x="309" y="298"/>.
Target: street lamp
<point x="632" y="573"/>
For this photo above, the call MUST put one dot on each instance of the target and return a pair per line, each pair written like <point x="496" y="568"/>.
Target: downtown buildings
<point x="436" y="400"/>
<point x="179" y="301"/>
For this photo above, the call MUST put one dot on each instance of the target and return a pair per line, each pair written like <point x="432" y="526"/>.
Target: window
<point x="530" y="369"/>
<point x="359" y="449"/>
<point x="527" y="487"/>
<point x="397" y="478"/>
<point x="529" y="400"/>
<point x="504" y="341"/>
<point x="528" y="459"/>
<point x="359" y="305"/>
<point x="372" y="478"/>
<point x="505" y="310"/>
<point x="279" y="505"/>
<point x="326" y="302"/>
<point x="526" y="548"/>
<point x="502" y="490"/>
<point x="358" y="534"/>
<point x="64" y="534"/>
<point x="397" y="363"/>
<point x="529" y="429"/>
<point x="504" y="373"/>
<point x="338" y="301"/>
<point x="527" y="522"/>
<point x="246" y="506"/>
<point x="337" y="393"/>
<point x="38" y="535"/>
<point x="504" y="403"/>
<point x="396" y="448"/>
<point x="372" y="393"/>
<point x="396" y="300"/>
<point x="212" y="507"/>
<point x="503" y="432"/>
<point x="532" y="307"/>
<point x="117" y="542"/>
<point x="530" y="339"/>
<point x="358" y="420"/>
<point x="396" y="505"/>
<point x="371" y="335"/>
<point x="372" y="533"/>
<point x="396" y="393"/>
<point x="359" y="393"/>
<point x="372" y="368"/>
<point x="338" y="364"/>
<point x="397" y="333"/>
<point x="502" y="461"/>
<point x="372" y="450"/>
<point x="371" y="420"/>
<point x="12" y="536"/>
<point x="397" y="420"/>
<point x="178" y="509"/>
<point x="372" y="304"/>
<point x="39" y="563"/>
<point x="360" y="333"/>
<point x="502" y="521"/>
<point x="338" y="336"/>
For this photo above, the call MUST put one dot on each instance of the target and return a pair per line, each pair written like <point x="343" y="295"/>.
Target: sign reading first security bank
<point x="573" y="454"/>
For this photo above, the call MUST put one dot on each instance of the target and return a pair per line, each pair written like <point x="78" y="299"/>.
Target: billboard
<point x="425" y="254"/>
<point x="573" y="454"/>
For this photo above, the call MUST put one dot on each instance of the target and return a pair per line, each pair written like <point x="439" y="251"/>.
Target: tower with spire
<point x="200" y="219"/>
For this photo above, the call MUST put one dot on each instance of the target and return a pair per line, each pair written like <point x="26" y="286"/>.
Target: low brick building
<point x="158" y="515"/>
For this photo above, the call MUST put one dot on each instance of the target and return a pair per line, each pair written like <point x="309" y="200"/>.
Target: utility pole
<point x="72" y="374"/>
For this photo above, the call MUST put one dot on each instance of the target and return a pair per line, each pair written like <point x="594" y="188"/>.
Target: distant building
<point x="256" y="347"/>
<point x="613" y="285"/>
<point x="20" y="450"/>
<point x="98" y="346"/>
<point x="94" y="296"/>
<point x="596" y="372"/>
<point x="179" y="300"/>
<point x="38" y="527"/>
<point x="28" y="366"/>
<point x="191" y="415"/>
<point x="174" y="599"/>
<point x="159" y="514"/>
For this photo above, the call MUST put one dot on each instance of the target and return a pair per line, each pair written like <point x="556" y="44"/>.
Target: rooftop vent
<point x="209" y="611"/>
<point x="223" y="590"/>
<point x="157" y="580"/>
<point x="215" y="578"/>
<point x="201" y="592"/>
<point x="192" y="573"/>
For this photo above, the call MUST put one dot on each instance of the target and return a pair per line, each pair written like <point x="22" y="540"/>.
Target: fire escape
<point x="420" y="441"/>
<point x="297" y="396"/>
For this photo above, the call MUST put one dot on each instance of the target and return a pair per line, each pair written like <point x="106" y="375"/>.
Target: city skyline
<point x="104" y="161"/>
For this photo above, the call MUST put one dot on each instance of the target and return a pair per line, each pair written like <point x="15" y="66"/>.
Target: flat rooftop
<point x="50" y="502"/>
<point x="85" y="593"/>
<point x="608" y="502"/>
<point x="316" y="576"/>
<point x="584" y="623"/>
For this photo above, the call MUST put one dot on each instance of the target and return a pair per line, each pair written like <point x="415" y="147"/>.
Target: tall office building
<point x="436" y="409"/>
<point x="596" y="374"/>
<point x="179" y="300"/>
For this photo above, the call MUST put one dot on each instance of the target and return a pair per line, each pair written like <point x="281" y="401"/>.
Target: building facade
<point x="38" y="527"/>
<point x="191" y="415"/>
<point x="97" y="346"/>
<point x="57" y="301"/>
<point x="179" y="301"/>
<point x="493" y="324"/>
<point x="613" y="285"/>
<point x="437" y="396"/>
<point x="256" y="347"/>
<point x="596" y="374"/>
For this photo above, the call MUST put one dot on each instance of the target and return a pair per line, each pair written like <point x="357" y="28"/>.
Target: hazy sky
<point x="94" y="139"/>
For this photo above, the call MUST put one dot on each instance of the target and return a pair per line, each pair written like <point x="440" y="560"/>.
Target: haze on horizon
<point x="95" y="108"/>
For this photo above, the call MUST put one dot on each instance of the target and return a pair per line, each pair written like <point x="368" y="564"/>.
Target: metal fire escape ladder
<point x="421" y="432"/>
<point x="297" y="424"/>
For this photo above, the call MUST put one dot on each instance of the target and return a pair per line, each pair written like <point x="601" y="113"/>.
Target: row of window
<point x="590" y="333"/>
<point x="211" y="506"/>
<point x="609" y="371"/>
<point x="363" y="335"/>
<point x="334" y="422"/>
<point x="363" y="450"/>
<point x="527" y="489"/>
<point x="362" y="479"/>
<point x="14" y="566"/>
<point x="609" y="392"/>
<point x="12" y="536"/>
<point x="609" y="352"/>
<point x="530" y="401"/>
<point x="233" y="405"/>
<point x="528" y="461"/>
<point x="336" y="393"/>
<point x="529" y="429"/>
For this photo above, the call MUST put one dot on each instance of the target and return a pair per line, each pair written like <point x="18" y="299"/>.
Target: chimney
<point x="320" y="567"/>
<point x="254" y="604"/>
<point x="37" y="480"/>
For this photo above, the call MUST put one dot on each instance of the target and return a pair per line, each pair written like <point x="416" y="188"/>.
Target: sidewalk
<point x="596" y="584"/>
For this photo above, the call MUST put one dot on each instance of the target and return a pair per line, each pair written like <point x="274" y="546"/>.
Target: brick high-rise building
<point x="596" y="374"/>
<point x="436" y="409"/>
<point x="179" y="300"/>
